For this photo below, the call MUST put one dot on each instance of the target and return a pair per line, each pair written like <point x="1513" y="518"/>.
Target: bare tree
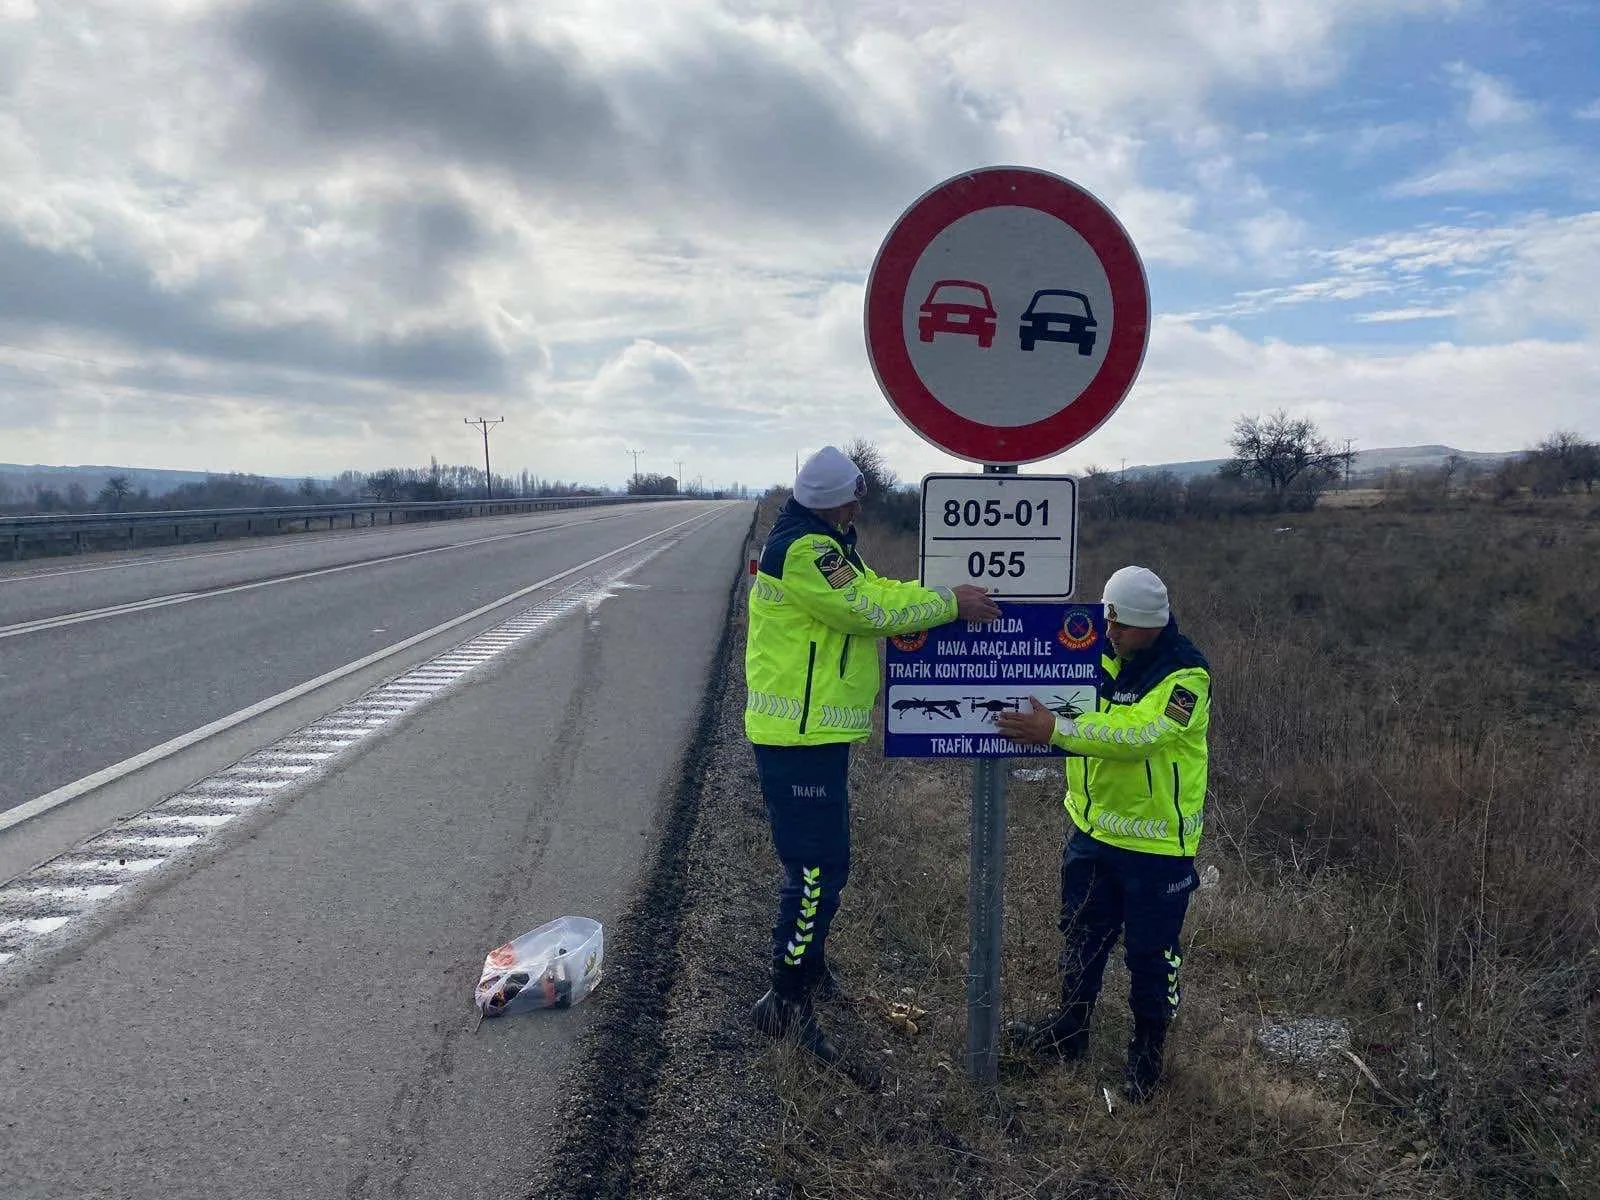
<point x="1290" y="456"/>
<point x="1562" y="460"/>
<point x="384" y="486"/>
<point x="117" y="489"/>
<point x="1586" y="466"/>
<point x="652" y="484"/>
<point x="881" y="480"/>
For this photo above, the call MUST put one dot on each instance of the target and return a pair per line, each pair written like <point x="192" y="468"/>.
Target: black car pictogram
<point x="1055" y="315"/>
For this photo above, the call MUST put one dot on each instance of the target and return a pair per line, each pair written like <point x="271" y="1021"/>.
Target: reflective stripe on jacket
<point x="816" y="610"/>
<point x="1141" y="783"/>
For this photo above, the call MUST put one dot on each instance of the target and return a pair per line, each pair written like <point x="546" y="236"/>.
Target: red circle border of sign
<point x="929" y="216"/>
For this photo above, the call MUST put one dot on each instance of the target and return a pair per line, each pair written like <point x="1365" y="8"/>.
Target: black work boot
<point x="771" y="1015"/>
<point x="1143" y="1072"/>
<point x="786" y="1009"/>
<point x="1063" y="1032"/>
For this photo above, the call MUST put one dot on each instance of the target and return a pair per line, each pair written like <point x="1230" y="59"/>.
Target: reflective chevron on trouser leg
<point x="809" y="810"/>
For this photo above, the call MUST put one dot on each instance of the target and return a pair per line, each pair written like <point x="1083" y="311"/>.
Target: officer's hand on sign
<point x="973" y="603"/>
<point x="1034" y="727"/>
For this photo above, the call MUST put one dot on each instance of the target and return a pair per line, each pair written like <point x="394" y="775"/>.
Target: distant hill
<point x="23" y="479"/>
<point x="1368" y="462"/>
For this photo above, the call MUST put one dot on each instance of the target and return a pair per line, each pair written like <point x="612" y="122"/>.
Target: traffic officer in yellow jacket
<point x="1136" y="790"/>
<point x="811" y="674"/>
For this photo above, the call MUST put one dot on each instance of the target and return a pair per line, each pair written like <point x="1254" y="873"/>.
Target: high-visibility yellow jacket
<point x="1141" y="781"/>
<point x="816" y="610"/>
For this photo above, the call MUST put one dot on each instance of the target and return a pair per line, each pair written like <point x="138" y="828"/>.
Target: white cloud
<point x="1490" y="101"/>
<point x="1505" y="148"/>
<point x="1548" y="281"/>
<point x="1369" y="140"/>
<point x="1589" y="112"/>
<point x="1446" y="270"/>
<point x="1391" y="315"/>
<point x="1491" y="172"/>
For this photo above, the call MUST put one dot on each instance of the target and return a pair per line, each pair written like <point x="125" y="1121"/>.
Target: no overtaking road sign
<point x="1007" y="315"/>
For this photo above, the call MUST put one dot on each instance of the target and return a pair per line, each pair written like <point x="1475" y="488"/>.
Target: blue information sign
<point x="946" y="686"/>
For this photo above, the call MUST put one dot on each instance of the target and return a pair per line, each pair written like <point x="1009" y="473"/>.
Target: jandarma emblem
<point x="1077" y="629"/>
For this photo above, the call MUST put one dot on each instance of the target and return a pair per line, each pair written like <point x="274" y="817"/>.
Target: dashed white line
<point x="136" y="606"/>
<point x="322" y="539"/>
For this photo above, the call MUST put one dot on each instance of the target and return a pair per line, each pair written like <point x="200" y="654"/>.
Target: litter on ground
<point x="553" y="966"/>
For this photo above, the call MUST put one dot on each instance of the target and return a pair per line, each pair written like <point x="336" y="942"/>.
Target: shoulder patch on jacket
<point x="1181" y="705"/>
<point x="835" y="568"/>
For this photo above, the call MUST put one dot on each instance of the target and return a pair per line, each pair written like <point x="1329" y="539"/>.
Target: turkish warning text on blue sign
<point x="945" y="687"/>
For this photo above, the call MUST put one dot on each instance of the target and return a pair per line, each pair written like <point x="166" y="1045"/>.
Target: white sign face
<point x="1007" y="316"/>
<point x="1014" y="534"/>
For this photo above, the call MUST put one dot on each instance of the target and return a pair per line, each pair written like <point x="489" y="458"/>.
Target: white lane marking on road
<point x="322" y="539"/>
<point x="173" y="826"/>
<point x="180" y="820"/>
<point x="137" y="606"/>
<point x="150" y="841"/>
<point x="68" y="894"/>
<point x="78" y="787"/>
<point x="96" y="866"/>
<point x="33" y="926"/>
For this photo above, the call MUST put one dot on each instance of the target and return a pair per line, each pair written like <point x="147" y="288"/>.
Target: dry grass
<point x="1403" y="814"/>
<point x="1354" y="498"/>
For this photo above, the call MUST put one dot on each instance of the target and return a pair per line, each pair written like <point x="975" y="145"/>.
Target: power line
<point x="635" y="454"/>
<point x="485" y="424"/>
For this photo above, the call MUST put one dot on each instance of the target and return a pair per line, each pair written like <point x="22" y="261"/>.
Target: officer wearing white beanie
<point x="1135" y="596"/>
<point x="811" y="683"/>
<point x="828" y="479"/>
<point x="1136" y="790"/>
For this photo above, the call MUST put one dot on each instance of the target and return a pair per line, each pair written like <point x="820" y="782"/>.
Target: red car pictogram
<point x="958" y="306"/>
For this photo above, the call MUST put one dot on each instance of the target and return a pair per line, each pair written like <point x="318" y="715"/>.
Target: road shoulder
<point x="675" y="1096"/>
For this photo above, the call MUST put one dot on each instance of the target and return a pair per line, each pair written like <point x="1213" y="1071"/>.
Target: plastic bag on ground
<point x="553" y="966"/>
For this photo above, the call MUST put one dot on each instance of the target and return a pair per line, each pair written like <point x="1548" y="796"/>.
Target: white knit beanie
<point x="828" y="479"/>
<point x="1136" y="596"/>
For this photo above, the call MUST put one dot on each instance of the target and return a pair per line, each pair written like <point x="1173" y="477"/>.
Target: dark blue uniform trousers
<point x="1106" y="891"/>
<point x="808" y="805"/>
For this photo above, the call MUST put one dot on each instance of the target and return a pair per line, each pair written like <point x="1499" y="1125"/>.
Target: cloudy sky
<point x="296" y="238"/>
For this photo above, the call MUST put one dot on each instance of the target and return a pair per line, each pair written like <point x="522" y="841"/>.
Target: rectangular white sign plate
<point x="1014" y="534"/>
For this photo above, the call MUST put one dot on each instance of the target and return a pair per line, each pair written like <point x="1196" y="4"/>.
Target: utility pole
<point x="1348" y="459"/>
<point x="485" y="424"/>
<point x="635" y="454"/>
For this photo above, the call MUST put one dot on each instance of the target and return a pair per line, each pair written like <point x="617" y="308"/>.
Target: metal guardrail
<point x="51" y="531"/>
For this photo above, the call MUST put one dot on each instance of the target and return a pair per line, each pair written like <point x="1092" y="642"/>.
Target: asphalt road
<point x="82" y="696"/>
<point x="287" y="1012"/>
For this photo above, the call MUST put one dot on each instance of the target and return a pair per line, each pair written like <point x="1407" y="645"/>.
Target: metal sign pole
<point x="986" y="905"/>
